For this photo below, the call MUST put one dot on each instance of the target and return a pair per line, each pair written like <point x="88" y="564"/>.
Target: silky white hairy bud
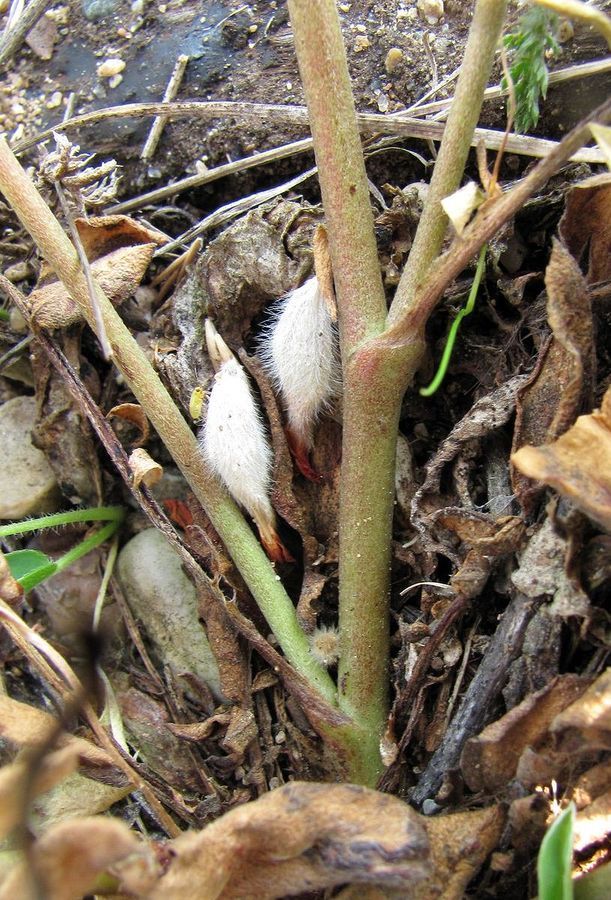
<point x="300" y="353"/>
<point x="235" y="442"/>
<point x="324" y="645"/>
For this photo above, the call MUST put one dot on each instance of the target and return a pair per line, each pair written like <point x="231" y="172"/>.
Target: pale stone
<point x="27" y="483"/>
<point x="162" y="597"/>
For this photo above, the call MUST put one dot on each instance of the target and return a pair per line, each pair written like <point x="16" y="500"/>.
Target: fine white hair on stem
<point x="234" y="439"/>
<point x="300" y="353"/>
<point x="324" y="645"/>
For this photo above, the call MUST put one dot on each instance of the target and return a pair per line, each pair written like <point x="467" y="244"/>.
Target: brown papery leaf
<point x="585" y="227"/>
<point x="563" y="376"/>
<point x="589" y="717"/>
<point x="133" y="412"/>
<point x="10" y="590"/>
<point x="578" y="464"/>
<point x="119" y="251"/>
<point x="68" y="859"/>
<point x="459" y="845"/>
<point x="52" y="769"/>
<point x="144" y="469"/>
<point x="25" y="726"/>
<point x="490" y="760"/>
<point x="301" y="837"/>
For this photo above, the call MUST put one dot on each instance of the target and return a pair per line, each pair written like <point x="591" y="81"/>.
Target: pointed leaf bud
<point x="236" y="445"/>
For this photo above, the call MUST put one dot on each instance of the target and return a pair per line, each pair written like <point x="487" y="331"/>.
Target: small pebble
<point x="55" y="100"/>
<point x="361" y="43"/>
<point x="431" y="10"/>
<point x="394" y="58"/>
<point x="110" y="67"/>
<point x="98" y="9"/>
<point x="27" y="483"/>
<point x="115" y="81"/>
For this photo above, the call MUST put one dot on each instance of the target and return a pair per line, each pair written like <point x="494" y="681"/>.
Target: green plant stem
<point x="81" y="549"/>
<point x="341" y="170"/>
<point x="55" y="520"/>
<point x="368" y="428"/>
<point x="484" y="34"/>
<point x="169" y="423"/>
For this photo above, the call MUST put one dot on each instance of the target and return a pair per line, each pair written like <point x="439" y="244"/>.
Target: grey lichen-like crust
<point x="161" y="597"/>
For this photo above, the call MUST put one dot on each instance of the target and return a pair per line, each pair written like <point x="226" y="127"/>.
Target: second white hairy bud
<point x="235" y="442"/>
<point x="300" y="353"/>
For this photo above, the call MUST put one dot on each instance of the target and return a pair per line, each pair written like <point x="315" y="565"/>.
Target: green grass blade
<point x="555" y="858"/>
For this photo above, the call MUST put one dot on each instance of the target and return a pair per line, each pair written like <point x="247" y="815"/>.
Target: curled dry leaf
<point x="578" y="464"/>
<point x="301" y="837"/>
<point x="459" y="845"/>
<point x="563" y="376"/>
<point x="25" y="726"/>
<point x="490" y="760"/>
<point x="144" y="469"/>
<point x="10" y="591"/>
<point x="67" y="861"/>
<point x="119" y="251"/>
<point x="51" y="770"/>
<point x="588" y="719"/>
<point x="133" y="412"/>
<point x="585" y="228"/>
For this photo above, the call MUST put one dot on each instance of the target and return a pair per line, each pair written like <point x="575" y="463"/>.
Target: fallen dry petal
<point x="578" y="464"/>
<point x="301" y="837"/>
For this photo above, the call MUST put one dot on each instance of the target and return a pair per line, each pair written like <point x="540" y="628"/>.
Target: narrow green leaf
<point x="555" y="858"/>
<point x="24" y="563"/>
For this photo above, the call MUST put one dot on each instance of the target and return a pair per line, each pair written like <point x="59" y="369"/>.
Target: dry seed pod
<point x="300" y="353"/>
<point x="235" y="443"/>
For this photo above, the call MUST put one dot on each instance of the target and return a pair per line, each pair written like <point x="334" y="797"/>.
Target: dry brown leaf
<point x="68" y="859"/>
<point x="301" y="837"/>
<point x="585" y="227"/>
<point x="133" y="412"/>
<point x="25" y="726"/>
<point x="562" y="379"/>
<point x="52" y="769"/>
<point x="119" y="251"/>
<point x="144" y="469"/>
<point x="10" y="591"/>
<point x="491" y="759"/>
<point x="488" y="540"/>
<point x="589" y="717"/>
<point x="459" y="845"/>
<point x="592" y="824"/>
<point x="578" y="464"/>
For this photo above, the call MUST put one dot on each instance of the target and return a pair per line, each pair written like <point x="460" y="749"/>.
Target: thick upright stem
<point x="484" y="34"/>
<point x="169" y="423"/>
<point x="341" y="170"/>
<point x="371" y="407"/>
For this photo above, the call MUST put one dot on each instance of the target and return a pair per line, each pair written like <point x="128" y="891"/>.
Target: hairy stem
<point x="484" y="34"/>
<point x="341" y="170"/>
<point x="366" y="488"/>
<point x="169" y="423"/>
